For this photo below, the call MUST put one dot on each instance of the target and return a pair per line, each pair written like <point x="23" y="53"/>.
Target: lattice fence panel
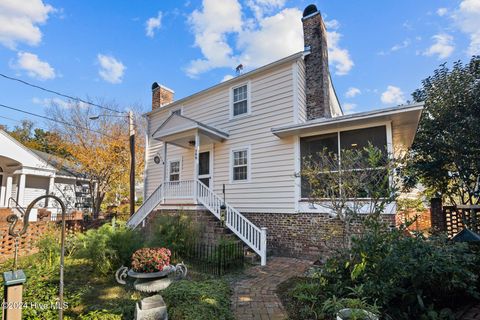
<point x="457" y="218"/>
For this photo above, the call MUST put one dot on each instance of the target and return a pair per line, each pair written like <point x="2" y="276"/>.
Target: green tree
<point x="445" y="156"/>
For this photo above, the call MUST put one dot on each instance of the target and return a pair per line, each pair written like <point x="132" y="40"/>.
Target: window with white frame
<point x="174" y="172"/>
<point x="240" y="165"/>
<point x="240" y="100"/>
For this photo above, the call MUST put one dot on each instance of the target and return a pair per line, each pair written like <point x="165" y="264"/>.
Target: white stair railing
<point x="148" y="205"/>
<point x="250" y="234"/>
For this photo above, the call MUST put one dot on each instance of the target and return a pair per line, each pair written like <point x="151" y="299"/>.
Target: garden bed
<point x="95" y="297"/>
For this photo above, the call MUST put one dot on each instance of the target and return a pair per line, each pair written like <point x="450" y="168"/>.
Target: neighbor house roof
<point x="64" y="167"/>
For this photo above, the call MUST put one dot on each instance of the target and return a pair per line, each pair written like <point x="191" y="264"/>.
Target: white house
<point x="246" y="136"/>
<point x="26" y="174"/>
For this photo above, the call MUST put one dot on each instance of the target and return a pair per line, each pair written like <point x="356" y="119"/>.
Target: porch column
<point x="197" y="164"/>
<point x="21" y="189"/>
<point x="51" y="186"/>
<point x="8" y="189"/>
<point x="165" y="164"/>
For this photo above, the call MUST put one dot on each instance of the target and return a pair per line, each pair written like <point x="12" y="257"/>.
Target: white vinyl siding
<point x="301" y="100"/>
<point x="34" y="188"/>
<point x="270" y="187"/>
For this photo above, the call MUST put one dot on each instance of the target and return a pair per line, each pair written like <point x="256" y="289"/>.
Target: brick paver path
<point x="255" y="297"/>
<point x="472" y="314"/>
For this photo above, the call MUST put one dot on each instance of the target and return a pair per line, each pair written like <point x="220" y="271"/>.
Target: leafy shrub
<point x="49" y="248"/>
<point x="198" y="300"/>
<point x="109" y="247"/>
<point x="99" y="315"/>
<point x="173" y="232"/>
<point x="406" y="277"/>
<point x="150" y="259"/>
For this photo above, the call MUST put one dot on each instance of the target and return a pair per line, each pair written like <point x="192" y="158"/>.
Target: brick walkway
<point x="255" y="298"/>
<point x="472" y="314"/>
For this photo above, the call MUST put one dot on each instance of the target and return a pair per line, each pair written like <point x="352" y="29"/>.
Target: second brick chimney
<point x="161" y="96"/>
<point x="316" y="64"/>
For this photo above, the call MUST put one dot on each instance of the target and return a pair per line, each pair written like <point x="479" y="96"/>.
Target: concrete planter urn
<point x="356" y="314"/>
<point x="152" y="307"/>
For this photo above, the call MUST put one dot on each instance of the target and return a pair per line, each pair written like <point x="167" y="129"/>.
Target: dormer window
<point x="240" y="100"/>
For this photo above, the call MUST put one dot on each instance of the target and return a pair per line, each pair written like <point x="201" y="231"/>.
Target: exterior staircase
<point x="255" y="238"/>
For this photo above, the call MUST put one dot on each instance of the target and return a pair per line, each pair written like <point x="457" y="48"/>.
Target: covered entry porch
<point x="199" y="141"/>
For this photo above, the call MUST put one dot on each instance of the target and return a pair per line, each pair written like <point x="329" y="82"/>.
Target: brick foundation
<point x="305" y="235"/>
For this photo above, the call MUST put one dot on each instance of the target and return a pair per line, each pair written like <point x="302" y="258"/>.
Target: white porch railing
<point x="250" y="234"/>
<point x="148" y="205"/>
<point x="178" y="189"/>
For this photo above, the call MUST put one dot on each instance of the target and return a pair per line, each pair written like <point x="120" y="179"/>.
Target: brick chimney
<point x="161" y="96"/>
<point x="316" y="64"/>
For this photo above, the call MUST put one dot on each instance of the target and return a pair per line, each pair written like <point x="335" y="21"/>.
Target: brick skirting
<point x="302" y="235"/>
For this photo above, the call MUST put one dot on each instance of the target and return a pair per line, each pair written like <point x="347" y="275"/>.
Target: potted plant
<point x="350" y="309"/>
<point x="149" y="260"/>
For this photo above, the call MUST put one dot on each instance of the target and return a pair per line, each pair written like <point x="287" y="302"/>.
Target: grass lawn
<point x="90" y="296"/>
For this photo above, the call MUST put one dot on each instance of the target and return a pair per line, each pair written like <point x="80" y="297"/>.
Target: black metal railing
<point x="217" y="258"/>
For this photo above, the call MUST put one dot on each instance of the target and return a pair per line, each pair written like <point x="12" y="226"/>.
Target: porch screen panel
<point x="311" y="147"/>
<point x="204" y="163"/>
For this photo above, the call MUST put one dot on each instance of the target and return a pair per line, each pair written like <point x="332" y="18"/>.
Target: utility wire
<point x="54" y="120"/>
<point x="59" y="94"/>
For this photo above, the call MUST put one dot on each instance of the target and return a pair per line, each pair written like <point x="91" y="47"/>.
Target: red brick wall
<point x="422" y="221"/>
<point x="304" y="235"/>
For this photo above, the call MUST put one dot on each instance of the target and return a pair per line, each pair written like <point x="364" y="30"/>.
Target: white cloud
<point x="211" y="26"/>
<point x="262" y="7"/>
<point x="227" y="77"/>
<point x="442" y="46"/>
<point x="48" y="102"/>
<point x="111" y="70"/>
<point x="348" y="107"/>
<point x="264" y="45"/>
<point x="225" y="39"/>
<point x="152" y="24"/>
<point x="467" y="18"/>
<point x="20" y="20"/>
<point x="34" y="67"/>
<point x="405" y="43"/>
<point x="338" y="57"/>
<point x="442" y="11"/>
<point x="352" y="92"/>
<point x="393" y="95"/>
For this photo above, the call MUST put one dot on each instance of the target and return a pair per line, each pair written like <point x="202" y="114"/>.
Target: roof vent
<point x="310" y="9"/>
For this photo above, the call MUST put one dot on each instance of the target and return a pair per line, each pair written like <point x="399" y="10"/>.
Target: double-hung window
<point x="174" y="173"/>
<point x="240" y="101"/>
<point x="240" y="165"/>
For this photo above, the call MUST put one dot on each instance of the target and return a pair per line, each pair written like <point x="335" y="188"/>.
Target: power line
<point x="58" y="93"/>
<point x="54" y="120"/>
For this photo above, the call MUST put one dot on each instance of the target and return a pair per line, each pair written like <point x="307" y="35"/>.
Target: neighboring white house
<point x="246" y="136"/>
<point x="26" y="174"/>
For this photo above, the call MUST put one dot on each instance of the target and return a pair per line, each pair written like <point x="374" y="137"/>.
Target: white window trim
<point x="249" y="101"/>
<point x="179" y="168"/>
<point x="249" y="164"/>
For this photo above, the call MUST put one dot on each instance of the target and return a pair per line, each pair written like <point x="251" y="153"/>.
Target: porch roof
<point x="178" y="129"/>
<point x="404" y="120"/>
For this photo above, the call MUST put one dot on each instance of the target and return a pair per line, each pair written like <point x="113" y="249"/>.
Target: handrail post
<point x="263" y="246"/>
<point x="195" y="191"/>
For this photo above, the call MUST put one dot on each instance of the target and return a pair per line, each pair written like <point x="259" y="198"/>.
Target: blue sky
<point x="379" y="50"/>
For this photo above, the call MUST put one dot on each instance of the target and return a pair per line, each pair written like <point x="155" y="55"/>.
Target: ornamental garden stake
<point x="13" y="280"/>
